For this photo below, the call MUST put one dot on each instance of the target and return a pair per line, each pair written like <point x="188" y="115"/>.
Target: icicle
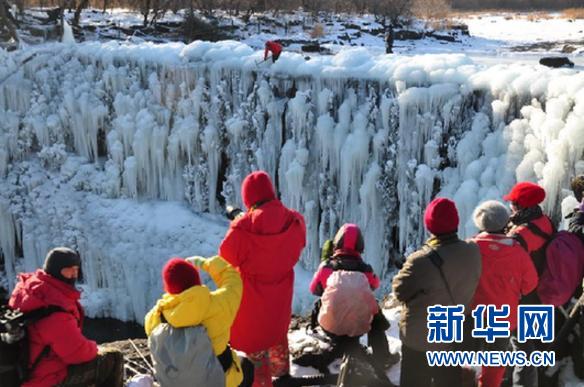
<point x="355" y="153"/>
<point x="210" y="145"/>
<point x="130" y="177"/>
<point x="8" y="243"/>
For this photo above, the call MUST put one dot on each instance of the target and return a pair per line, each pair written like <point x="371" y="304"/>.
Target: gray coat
<point x="183" y="357"/>
<point x="419" y="285"/>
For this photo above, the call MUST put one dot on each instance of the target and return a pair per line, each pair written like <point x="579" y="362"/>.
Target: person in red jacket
<point x="529" y="225"/>
<point x="507" y="274"/>
<point x="61" y="354"/>
<point x="275" y="48"/>
<point x="264" y="244"/>
<point x="347" y="247"/>
<point x="532" y="229"/>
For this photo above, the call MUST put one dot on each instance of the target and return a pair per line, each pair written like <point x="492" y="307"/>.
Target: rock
<point x="134" y="360"/>
<point x="350" y="26"/>
<point x="312" y="47"/>
<point x="568" y="49"/>
<point x="407" y="35"/>
<point x="463" y="28"/>
<point x="446" y="38"/>
<point x="555" y="62"/>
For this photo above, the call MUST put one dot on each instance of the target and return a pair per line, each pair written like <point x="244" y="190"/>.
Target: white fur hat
<point x="491" y="216"/>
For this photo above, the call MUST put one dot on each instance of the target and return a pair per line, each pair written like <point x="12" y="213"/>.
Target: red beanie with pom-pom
<point x="178" y="275"/>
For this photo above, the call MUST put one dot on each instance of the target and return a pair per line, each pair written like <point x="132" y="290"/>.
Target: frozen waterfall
<point x="128" y="153"/>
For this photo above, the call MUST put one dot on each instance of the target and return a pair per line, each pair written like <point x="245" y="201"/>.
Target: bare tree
<point x="391" y="9"/>
<point x="80" y="6"/>
<point x="207" y="6"/>
<point x="431" y="9"/>
<point x="7" y="27"/>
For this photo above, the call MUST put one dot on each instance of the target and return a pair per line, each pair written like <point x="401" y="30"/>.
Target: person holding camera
<point x="264" y="244"/>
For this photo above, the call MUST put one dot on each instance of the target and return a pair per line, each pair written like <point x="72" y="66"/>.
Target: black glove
<point x="233" y="212"/>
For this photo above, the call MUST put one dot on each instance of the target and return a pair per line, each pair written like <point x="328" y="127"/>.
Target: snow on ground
<point x="493" y="36"/>
<point x="520" y="28"/>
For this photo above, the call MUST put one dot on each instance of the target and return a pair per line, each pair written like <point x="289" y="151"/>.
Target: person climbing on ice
<point x="188" y="303"/>
<point x="507" y="274"/>
<point x="341" y="312"/>
<point x="264" y="244"/>
<point x="274" y="48"/>
<point x="432" y="276"/>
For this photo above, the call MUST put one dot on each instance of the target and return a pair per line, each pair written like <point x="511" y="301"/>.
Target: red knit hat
<point x="349" y="238"/>
<point x="178" y="275"/>
<point x="441" y="216"/>
<point x="257" y="187"/>
<point x="526" y="194"/>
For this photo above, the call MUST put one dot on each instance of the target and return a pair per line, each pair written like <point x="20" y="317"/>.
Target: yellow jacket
<point x="198" y="305"/>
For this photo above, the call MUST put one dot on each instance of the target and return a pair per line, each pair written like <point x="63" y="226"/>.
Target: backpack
<point x="14" y="345"/>
<point x="347" y="304"/>
<point x="563" y="270"/>
<point x="559" y="264"/>
<point x="184" y="357"/>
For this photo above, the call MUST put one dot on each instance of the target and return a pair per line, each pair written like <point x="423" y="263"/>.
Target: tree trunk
<point x="146" y="12"/>
<point x="82" y="4"/>
<point x="7" y="27"/>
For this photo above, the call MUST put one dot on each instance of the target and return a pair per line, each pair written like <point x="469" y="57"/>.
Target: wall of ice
<point x="92" y="135"/>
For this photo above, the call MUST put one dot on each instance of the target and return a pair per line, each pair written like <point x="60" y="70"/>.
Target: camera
<point x="233" y="212"/>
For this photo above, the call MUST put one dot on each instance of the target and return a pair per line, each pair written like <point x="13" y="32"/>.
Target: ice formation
<point x="126" y="152"/>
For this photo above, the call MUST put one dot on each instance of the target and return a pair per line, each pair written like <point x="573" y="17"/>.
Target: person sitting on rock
<point x="59" y="354"/>
<point x="366" y="316"/>
<point x="188" y="303"/>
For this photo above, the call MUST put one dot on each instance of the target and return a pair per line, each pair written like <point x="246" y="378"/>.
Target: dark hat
<point x="350" y="238"/>
<point x="257" y="187"/>
<point x="526" y="194"/>
<point x="441" y="216"/>
<point x="59" y="258"/>
<point x="178" y="275"/>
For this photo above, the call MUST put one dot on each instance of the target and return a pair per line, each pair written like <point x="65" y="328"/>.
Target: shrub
<point x="317" y="31"/>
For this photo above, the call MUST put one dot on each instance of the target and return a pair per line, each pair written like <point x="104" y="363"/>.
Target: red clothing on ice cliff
<point x="275" y="48"/>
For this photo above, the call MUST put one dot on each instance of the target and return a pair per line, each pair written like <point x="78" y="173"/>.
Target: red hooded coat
<point x="61" y="331"/>
<point x="507" y="273"/>
<point x="264" y="245"/>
